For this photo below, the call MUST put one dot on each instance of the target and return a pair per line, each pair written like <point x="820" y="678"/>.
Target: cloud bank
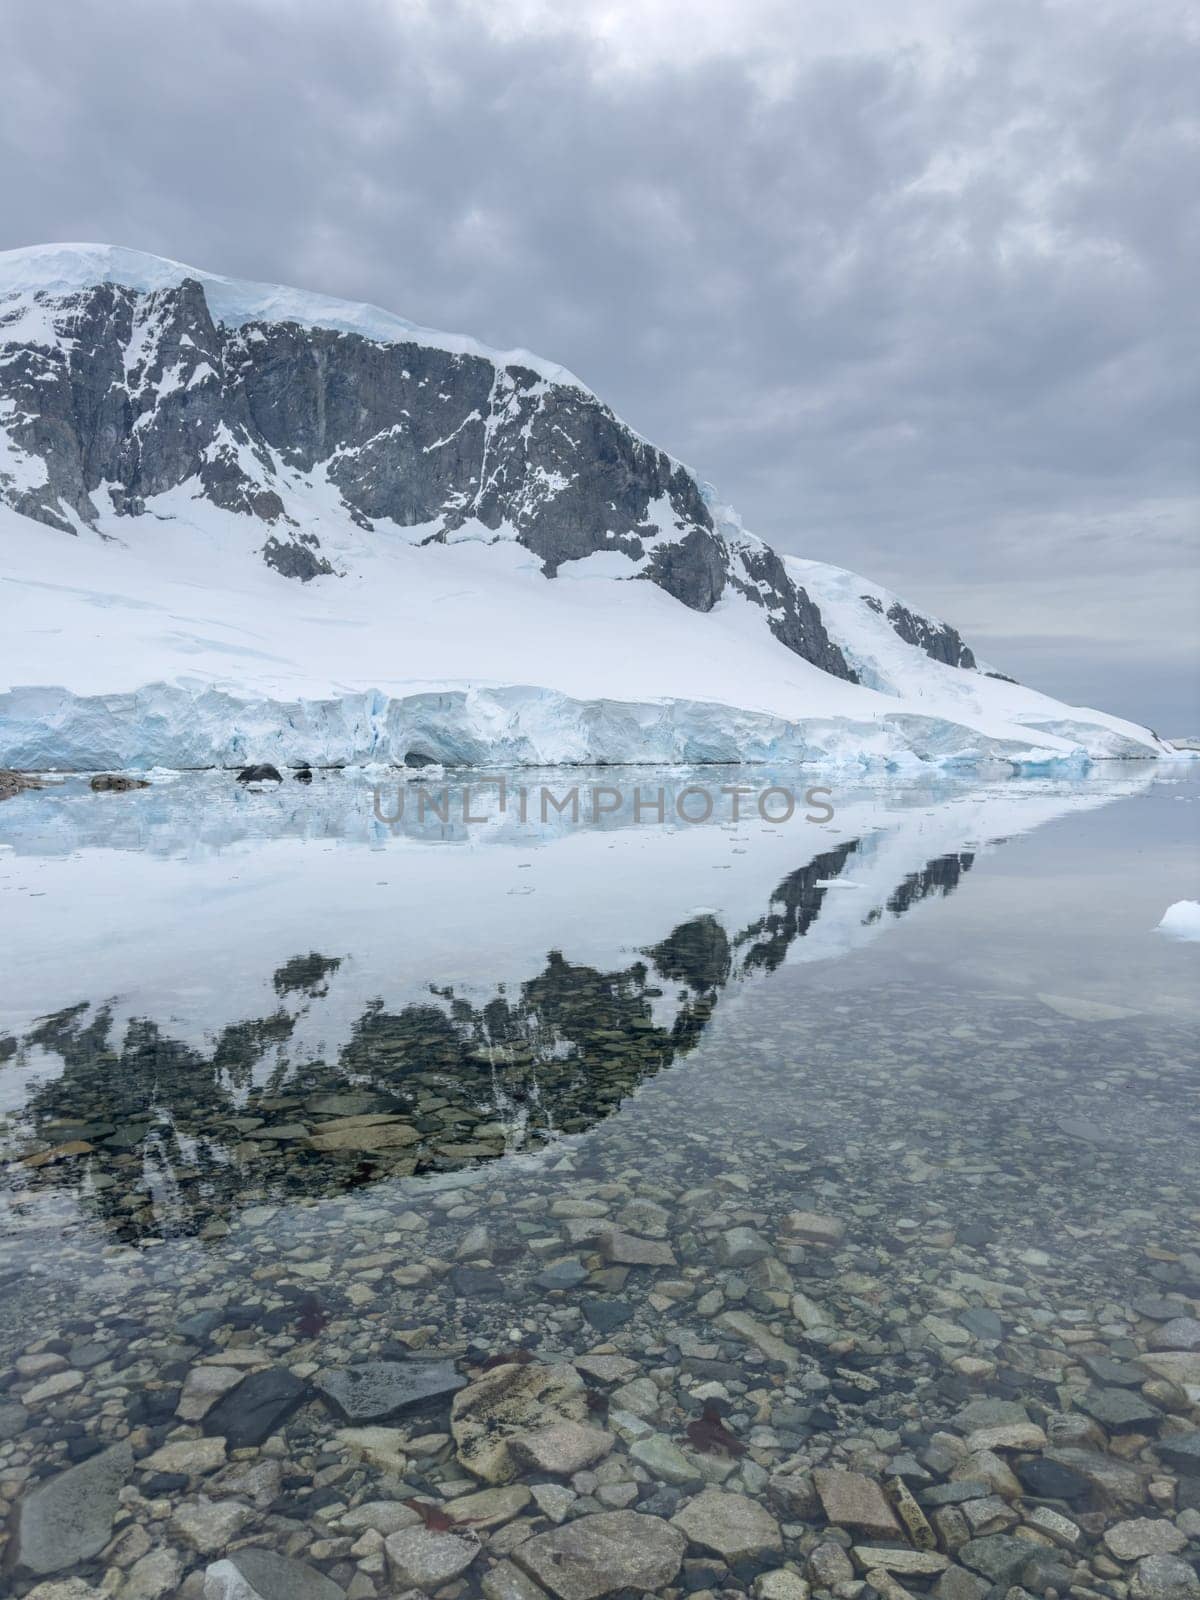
<point x="912" y="283"/>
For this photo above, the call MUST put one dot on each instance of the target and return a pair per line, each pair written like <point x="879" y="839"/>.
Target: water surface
<point x="281" y="1078"/>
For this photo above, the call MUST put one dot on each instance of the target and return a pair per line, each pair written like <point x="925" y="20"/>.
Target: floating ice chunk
<point x="1181" y="920"/>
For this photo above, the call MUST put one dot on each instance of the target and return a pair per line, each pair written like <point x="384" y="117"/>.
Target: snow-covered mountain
<point x="241" y="522"/>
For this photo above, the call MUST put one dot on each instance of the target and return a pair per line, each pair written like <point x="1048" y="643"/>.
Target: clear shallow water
<point x="359" y="1091"/>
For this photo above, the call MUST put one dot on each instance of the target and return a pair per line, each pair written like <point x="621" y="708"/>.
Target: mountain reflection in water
<point x="378" y="1050"/>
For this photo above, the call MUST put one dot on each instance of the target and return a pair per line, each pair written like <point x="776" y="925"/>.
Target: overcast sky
<point x="913" y="282"/>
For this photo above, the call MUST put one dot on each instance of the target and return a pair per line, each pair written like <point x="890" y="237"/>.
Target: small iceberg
<point x="1181" y="920"/>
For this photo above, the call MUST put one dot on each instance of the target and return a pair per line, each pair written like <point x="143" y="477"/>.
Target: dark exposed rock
<point x="937" y="639"/>
<point x="264" y="773"/>
<point x="295" y="558"/>
<point x="146" y="392"/>
<point x="116" y="783"/>
<point x="12" y="783"/>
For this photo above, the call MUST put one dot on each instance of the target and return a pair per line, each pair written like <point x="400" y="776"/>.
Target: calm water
<point x="288" y="1088"/>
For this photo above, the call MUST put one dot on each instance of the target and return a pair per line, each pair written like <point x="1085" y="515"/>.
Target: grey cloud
<point x="928" y="314"/>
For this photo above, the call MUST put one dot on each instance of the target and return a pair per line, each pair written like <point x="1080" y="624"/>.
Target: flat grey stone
<point x="998" y="1556"/>
<point x="202" y="1388"/>
<point x="852" y="1500"/>
<point x="1181" y="1451"/>
<point x="731" y="1525"/>
<point x="956" y="1583"/>
<point x="1144" y="1536"/>
<point x="561" y="1447"/>
<point x="1159" y="1307"/>
<point x="664" y="1460"/>
<point x="597" y="1555"/>
<point x="990" y="1414"/>
<point x="1111" y="1480"/>
<point x="1118" y="1410"/>
<point x="66" y="1589"/>
<point x="208" y="1526"/>
<point x="255" y="1574"/>
<point x="953" y="1494"/>
<point x="828" y="1565"/>
<point x="741" y="1247"/>
<point x="377" y="1390"/>
<point x="1165" y="1578"/>
<point x="422" y="1559"/>
<point x="154" y="1576"/>
<point x="14" y="1419"/>
<point x="902" y="1561"/>
<point x="567" y="1274"/>
<point x="507" y="1582"/>
<point x="984" y="1324"/>
<point x="1181" y="1333"/>
<point x="1110" y="1373"/>
<point x="68" y="1518"/>
<point x="627" y="1250"/>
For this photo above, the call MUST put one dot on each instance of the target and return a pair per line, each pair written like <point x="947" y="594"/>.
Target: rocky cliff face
<point x="112" y="394"/>
<point x="938" y="640"/>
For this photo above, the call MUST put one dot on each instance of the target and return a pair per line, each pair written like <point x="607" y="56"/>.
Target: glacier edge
<point x="174" y="725"/>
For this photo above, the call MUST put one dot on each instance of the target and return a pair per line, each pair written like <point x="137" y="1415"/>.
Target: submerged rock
<point x="424" y="1559"/>
<point x="378" y="1390"/>
<point x="69" y="1518"/>
<point x="255" y="1574"/>
<point x="561" y="1448"/>
<point x="851" y="1500"/>
<point x="262" y="1402"/>
<point x="731" y="1525"/>
<point x="1144" y="1536"/>
<point x="1165" y="1577"/>
<point x="506" y="1402"/>
<point x="601" y="1554"/>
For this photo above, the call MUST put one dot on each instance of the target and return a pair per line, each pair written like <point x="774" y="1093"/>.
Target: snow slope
<point x="177" y="647"/>
<point x="154" y="627"/>
<point x="855" y="611"/>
